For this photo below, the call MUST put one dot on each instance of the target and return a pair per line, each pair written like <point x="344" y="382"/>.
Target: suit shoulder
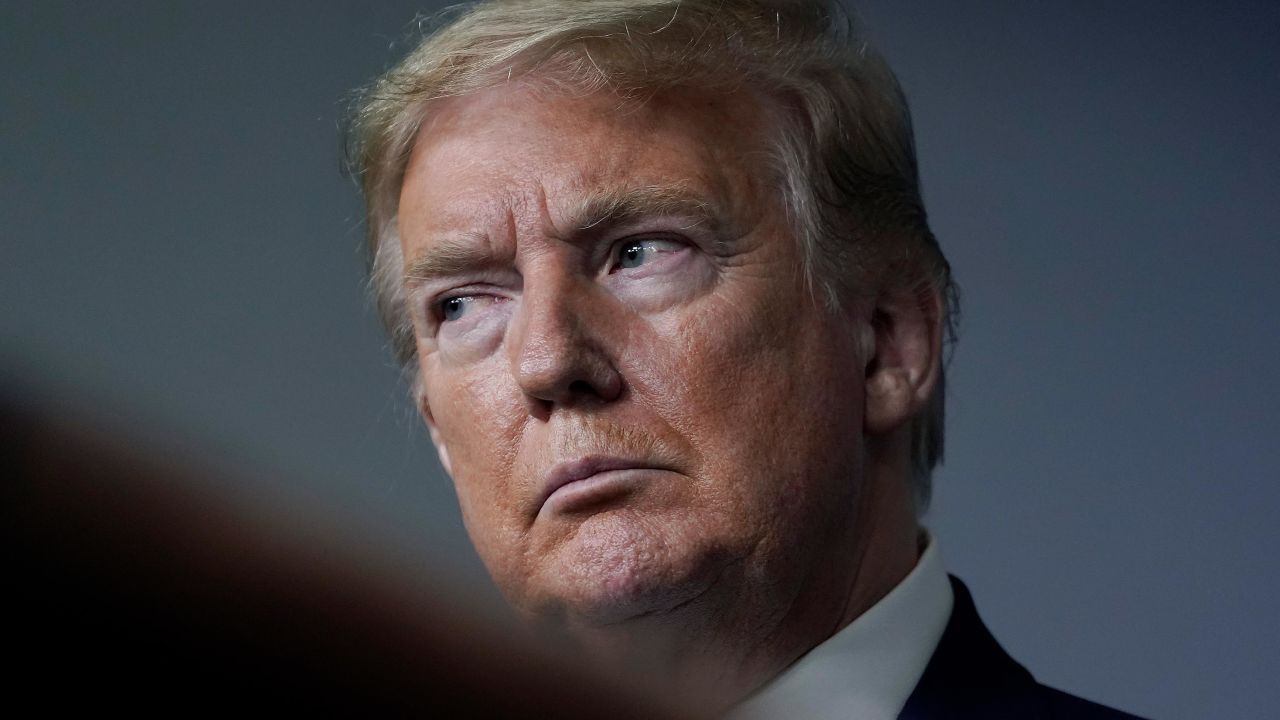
<point x="1062" y="706"/>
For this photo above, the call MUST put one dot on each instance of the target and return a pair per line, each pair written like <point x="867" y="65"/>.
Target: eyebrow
<point x="449" y="257"/>
<point x="604" y="209"/>
<point x="594" y="214"/>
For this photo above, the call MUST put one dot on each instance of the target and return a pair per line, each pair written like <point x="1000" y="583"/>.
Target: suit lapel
<point x="970" y="675"/>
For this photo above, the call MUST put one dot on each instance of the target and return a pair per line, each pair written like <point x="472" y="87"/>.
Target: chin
<point x="620" y="567"/>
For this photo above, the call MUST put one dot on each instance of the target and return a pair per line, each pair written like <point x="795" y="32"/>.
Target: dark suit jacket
<point x="970" y="677"/>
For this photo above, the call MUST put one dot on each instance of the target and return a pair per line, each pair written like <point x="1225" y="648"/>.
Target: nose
<point x="559" y="355"/>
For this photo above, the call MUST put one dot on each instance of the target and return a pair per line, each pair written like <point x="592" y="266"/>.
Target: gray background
<point x="181" y="253"/>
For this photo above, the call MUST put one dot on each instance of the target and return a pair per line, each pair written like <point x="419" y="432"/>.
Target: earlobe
<point x="905" y="361"/>
<point x="441" y="449"/>
<point x="424" y="409"/>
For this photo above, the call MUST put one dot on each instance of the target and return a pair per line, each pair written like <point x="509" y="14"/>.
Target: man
<point x="661" y="280"/>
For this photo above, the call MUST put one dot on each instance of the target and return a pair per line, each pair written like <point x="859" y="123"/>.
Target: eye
<point x="634" y="253"/>
<point x="453" y="308"/>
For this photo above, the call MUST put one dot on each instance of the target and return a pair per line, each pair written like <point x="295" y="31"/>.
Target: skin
<point x="769" y="505"/>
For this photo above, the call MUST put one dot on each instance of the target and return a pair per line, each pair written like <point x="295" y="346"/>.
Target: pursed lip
<point x="572" y="471"/>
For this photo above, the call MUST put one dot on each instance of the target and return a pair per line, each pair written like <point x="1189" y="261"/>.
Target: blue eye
<point x="637" y="253"/>
<point x="633" y="254"/>
<point x="454" y="308"/>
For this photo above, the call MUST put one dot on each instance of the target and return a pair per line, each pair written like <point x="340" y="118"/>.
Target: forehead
<point x="514" y="148"/>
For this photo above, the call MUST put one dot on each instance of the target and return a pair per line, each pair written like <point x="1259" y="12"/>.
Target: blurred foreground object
<point x="141" y="586"/>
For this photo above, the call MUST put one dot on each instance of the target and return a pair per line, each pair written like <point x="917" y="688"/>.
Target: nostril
<point x="581" y="387"/>
<point x="540" y="409"/>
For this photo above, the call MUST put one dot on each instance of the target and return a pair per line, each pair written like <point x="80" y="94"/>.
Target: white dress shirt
<point x="868" y="669"/>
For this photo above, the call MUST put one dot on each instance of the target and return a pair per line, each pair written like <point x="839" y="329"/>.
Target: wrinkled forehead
<point x="519" y="148"/>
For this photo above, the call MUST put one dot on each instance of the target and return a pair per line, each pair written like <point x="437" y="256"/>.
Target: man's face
<point x="640" y="404"/>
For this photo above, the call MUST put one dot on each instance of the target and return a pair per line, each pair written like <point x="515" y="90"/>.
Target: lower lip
<point x="598" y="488"/>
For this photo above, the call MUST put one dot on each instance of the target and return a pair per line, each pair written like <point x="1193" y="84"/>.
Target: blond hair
<point x="845" y="154"/>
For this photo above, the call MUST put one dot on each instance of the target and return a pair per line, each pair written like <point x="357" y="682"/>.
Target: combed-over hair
<point x="844" y="152"/>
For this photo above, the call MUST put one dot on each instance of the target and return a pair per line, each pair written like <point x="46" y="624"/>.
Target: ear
<point x="424" y="409"/>
<point x="904" y="362"/>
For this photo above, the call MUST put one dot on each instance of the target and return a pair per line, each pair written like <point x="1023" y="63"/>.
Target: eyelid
<point x="492" y="281"/>
<point x="636" y="240"/>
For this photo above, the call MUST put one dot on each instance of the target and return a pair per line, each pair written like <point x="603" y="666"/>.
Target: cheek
<point x="478" y="423"/>
<point x="764" y="398"/>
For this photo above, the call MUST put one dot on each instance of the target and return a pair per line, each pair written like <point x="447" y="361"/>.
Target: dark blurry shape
<point x="139" y="586"/>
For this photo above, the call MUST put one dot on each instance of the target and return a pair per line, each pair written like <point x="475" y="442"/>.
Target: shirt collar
<point x="868" y="669"/>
